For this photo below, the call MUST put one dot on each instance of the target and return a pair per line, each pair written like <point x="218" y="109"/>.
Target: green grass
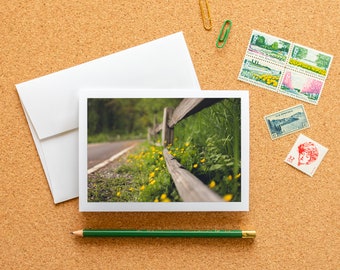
<point x="143" y="178"/>
<point x="111" y="137"/>
<point x="208" y="145"/>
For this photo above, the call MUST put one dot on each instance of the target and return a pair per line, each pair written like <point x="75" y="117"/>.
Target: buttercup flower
<point x="195" y="166"/>
<point x="212" y="184"/>
<point x="228" y="197"/>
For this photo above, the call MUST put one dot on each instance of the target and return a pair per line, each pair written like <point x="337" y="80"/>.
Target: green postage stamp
<point x="285" y="67"/>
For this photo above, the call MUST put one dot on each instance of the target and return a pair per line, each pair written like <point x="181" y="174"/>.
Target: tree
<point x="299" y="52"/>
<point x="323" y="61"/>
<point x="284" y="46"/>
<point x="258" y="40"/>
<point x="287" y="80"/>
<point x="275" y="46"/>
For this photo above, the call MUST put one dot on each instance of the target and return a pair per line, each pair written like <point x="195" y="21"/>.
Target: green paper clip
<point x="222" y="38"/>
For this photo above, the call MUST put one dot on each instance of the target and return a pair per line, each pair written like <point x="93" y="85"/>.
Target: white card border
<point x="85" y="206"/>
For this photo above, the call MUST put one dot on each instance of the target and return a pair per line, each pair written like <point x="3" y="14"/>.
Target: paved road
<point x="98" y="152"/>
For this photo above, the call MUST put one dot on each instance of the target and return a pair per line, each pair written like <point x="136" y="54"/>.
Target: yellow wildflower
<point x="118" y="194"/>
<point x="212" y="184"/>
<point x="228" y="197"/>
<point x="152" y="174"/>
<point x="131" y="189"/>
<point x="163" y="196"/>
<point x="195" y="166"/>
<point x="202" y="160"/>
<point x="166" y="200"/>
<point x="230" y="178"/>
<point x="238" y="176"/>
<point x="142" y="187"/>
<point x="156" y="200"/>
<point x="187" y="144"/>
<point x="153" y="182"/>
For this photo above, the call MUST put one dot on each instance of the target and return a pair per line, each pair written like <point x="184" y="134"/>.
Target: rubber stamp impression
<point x="306" y="155"/>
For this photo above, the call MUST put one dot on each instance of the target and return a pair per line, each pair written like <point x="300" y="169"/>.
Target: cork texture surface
<point x="296" y="216"/>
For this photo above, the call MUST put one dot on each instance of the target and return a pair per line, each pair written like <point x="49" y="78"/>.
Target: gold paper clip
<point x="224" y="33"/>
<point x="205" y="12"/>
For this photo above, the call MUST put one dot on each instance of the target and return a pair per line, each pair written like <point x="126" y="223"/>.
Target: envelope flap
<point x="51" y="101"/>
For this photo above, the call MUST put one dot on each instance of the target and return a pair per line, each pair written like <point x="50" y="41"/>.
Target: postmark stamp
<point x="287" y="121"/>
<point x="306" y="155"/>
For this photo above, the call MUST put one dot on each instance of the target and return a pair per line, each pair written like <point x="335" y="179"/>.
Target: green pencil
<point x="165" y="233"/>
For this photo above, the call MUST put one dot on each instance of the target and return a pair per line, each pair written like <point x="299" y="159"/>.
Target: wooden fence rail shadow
<point x="189" y="187"/>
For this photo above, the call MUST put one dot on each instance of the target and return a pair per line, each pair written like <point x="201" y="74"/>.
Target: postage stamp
<point x="287" y="68"/>
<point x="301" y="86"/>
<point x="309" y="60"/>
<point x="287" y="121"/>
<point x="260" y="73"/>
<point x="268" y="47"/>
<point x="306" y="155"/>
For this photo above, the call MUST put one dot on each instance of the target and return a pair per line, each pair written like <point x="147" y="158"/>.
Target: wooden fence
<point x="189" y="187"/>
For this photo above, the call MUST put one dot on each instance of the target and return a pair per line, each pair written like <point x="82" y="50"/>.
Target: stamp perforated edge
<point x="282" y="111"/>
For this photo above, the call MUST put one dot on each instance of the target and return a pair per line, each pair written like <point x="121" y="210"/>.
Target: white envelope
<point x="50" y="102"/>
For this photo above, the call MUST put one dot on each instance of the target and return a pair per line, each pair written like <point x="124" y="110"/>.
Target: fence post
<point x="167" y="132"/>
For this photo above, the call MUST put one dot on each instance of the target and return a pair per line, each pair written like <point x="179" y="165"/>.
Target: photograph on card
<point x="164" y="150"/>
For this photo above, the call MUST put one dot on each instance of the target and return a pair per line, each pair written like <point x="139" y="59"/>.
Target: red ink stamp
<point x="306" y="155"/>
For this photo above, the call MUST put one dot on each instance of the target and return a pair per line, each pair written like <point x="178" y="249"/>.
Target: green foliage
<point x="208" y="145"/>
<point x="275" y="45"/>
<point x="299" y="52"/>
<point x="323" y="61"/>
<point x="125" y="116"/>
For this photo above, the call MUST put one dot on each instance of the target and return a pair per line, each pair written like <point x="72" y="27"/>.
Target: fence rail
<point x="189" y="187"/>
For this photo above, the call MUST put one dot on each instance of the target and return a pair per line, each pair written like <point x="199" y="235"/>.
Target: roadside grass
<point x="142" y="178"/>
<point x="112" y="137"/>
<point x="208" y="145"/>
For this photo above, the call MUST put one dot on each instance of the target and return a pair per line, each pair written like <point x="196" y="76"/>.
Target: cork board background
<point x="295" y="216"/>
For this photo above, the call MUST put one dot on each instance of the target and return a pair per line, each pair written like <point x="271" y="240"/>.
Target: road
<point x="98" y="152"/>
